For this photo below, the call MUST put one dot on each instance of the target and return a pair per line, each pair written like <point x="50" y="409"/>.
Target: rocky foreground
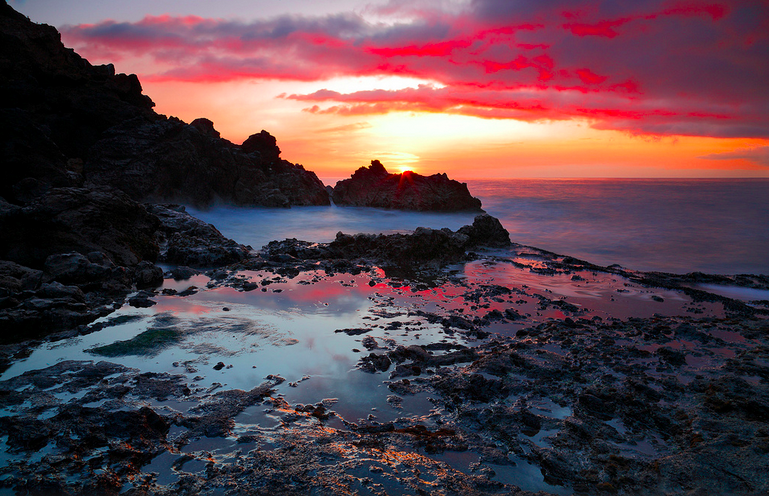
<point x="439" y="362"/>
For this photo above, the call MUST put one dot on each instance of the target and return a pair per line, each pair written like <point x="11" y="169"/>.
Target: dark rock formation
<point x="81" y="220"/>
<point x="185" y="240"/>
<point x="373" y="186"/>
<point x="81" y="146"/>
<point x="168" y="160"/>
<point x="64" y="122"/>
<point x="423" y="247"/>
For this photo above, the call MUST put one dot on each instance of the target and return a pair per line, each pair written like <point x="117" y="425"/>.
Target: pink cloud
<point x="651" y="66"/>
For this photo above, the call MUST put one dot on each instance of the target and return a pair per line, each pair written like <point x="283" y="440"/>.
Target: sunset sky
<point x="475" y="88"/>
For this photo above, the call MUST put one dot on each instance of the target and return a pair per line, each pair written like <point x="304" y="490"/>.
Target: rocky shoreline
<point x="88" y="171"/>
<point x="493" y="381"/>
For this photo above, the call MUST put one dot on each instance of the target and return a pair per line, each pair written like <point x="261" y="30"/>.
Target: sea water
<point x="718" y="226"/>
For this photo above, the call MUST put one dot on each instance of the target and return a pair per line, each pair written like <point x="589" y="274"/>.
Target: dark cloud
<point x="758" y="155"/>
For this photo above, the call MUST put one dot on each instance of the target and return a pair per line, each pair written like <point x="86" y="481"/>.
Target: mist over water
<point x="259" y="226"/>
<point x="716" y="226"/>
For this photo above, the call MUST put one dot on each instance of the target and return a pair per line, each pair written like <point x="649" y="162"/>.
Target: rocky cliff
<point x="373" y="186"/>
<point x="81" y="149"/>
<point x="65" y="122"/>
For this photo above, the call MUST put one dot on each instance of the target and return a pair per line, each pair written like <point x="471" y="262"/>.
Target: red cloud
<point x="443" y="49"/>
<point x="601" y="28"/>
<point x="650" y="66"/>
<point x="589" y="77"/>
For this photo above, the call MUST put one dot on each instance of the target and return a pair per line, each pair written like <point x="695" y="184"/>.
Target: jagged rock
<point x="168" y="160"/>
<point x="263" y="144"/>
<point x="15" y="278"/>
<point x="486" y="231"/>
<point x="185" y="240"/>
<point x="59" y="290"/>
<point x="206" y="127"/>
<point x="373" y="186"/>
<point x="66" y="123"/>
<point x="79" y="220"/>
<point x="75" y="268"/>
<point x="423" y="246"/>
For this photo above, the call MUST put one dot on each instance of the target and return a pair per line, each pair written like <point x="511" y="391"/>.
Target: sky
<point x="474" y="88"/>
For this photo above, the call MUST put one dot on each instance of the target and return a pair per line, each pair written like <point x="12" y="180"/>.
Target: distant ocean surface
<point x="718" y="226"/>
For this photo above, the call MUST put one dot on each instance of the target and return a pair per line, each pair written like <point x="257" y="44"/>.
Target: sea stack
<point x="373" y="186"/>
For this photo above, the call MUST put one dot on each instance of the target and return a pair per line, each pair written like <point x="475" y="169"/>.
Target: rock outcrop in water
<point x="424" y="248"/>
<point x="373" y="186"/>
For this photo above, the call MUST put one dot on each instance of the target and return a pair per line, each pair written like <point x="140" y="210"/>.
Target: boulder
<point x="373" y="186"/>
<point x="75" y="268"/>
<point x="486" y="231"/>
<point x="186" y="240"/>
<point x="148" y="275"/>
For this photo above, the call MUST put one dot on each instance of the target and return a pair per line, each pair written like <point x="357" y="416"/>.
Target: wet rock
<point x="425" y="248"/>
<point x="188" y="241"/>
<point x="148" y="275"/>
<point x="369" y="343"/>
<point x="405" y="371"/>
<point x="69" y="220"/>
<point x="142" y="300"/>
<point x="354" y="332"/>
<point x="413" y="352"/>
<point x="374" y="362"/>
<point x="597" y="406"/>
<point x="182" y="273"/>
<point x="373" y="186"/>
<point x="486" y="231"/>
<point x="673" y="357"/>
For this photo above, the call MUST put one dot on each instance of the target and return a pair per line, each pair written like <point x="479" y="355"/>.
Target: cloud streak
<point x="655" y="67"/>
<point x="758" y="155"/>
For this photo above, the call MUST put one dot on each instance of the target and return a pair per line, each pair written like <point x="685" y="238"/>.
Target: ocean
<point x="717" y="226"/>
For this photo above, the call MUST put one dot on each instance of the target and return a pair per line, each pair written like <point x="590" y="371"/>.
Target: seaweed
<point x="150" y="343"/>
